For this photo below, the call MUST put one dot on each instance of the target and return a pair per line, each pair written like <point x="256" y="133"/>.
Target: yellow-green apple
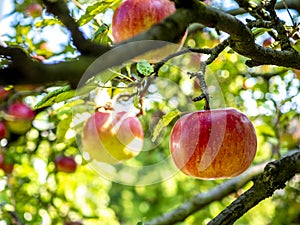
<point x="7" y="167"/>
<point x="65" y="164"/>
<point x="34" y="10"/>
<point x="135" y="16"/>
<point x="19" y="118"/>
<point x="213" y="144"/>
<point x="111" y="137"/>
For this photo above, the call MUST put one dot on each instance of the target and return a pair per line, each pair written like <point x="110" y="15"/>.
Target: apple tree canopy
<point x="58" y="60"/>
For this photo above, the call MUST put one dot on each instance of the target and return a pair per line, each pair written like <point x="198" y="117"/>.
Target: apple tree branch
<point x="267" y="178"/>
<point x="274" y="177"/>
<point x="171" y="29"/>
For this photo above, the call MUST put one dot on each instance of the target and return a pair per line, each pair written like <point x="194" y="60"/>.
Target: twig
<point x="214" y="52"/>
<point x="158" y="65"/>
<point x="292" y="4"/>
<point x="278" y="25"/>
<point x="200" y="75"/>
<point x="86" y="47"/>
<point x="257" y="11"/>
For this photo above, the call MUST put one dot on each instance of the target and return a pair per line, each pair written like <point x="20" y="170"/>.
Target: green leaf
<point x="266" y="130"/>
<point x="58" y="95"/>
<point x="62" y="128"/>
<point x="140" y="223"/>
<point x="107" y="75"/>
<point x="296" y="45"/>
<point x="95" y="9"/>
<point x="259" y="31"/>
<point x="163" y="122"/>
<point x="47" y="22"/>
<point x="144" y="68"/>
<point x="100" y="36"/>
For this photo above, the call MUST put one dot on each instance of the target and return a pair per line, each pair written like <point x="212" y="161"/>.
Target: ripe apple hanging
<point x="111" y="137"/>
<point x="135" y="16"/>
<point x="213" y="144"/>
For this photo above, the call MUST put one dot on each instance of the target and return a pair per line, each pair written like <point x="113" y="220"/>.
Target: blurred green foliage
<point x="36" y="193"/>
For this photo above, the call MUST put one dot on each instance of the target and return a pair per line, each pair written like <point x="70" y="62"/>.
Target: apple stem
<point x="200" y="75"/>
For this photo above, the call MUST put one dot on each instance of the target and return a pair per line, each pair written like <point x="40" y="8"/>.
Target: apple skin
<point x="65" y="164"/>
<point x="135" y="16"/>
<point x="213" y="144"/>
<point x="34" y="10"/>
<point x="6" y="167"/>
<point x="20" y="118"/>
<point x="112" y="137"/>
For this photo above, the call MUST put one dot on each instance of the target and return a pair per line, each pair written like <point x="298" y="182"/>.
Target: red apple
<point x="3" y="130"/>
<point x="19" y="118"/>
<point x="34" y="10"/>
<point x="213" y="144"/>
<point x="267" y="42"/>
<point x="135" y="16"/>
<point x="5" y="166"/>
<point x="111" y="137"/>
<point x="65" y="164"/>
<point x="3" y="93"/>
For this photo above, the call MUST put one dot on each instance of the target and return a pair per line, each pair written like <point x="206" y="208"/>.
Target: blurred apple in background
<point x="7" y="167"/>
<point x="73" y="223"/>
<point x="19" y="118"/>
<point x="267" y="42"/>
<point x="65" y="164"/>
<point x="3" y="130"/>
<point x="34" y="10"/>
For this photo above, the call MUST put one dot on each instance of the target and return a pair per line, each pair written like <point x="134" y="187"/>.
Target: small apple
<point x="213" y="144"/>
<point x="6" y="166"/>
<point x="267" y="42"/>
<point x="297" y="74"/>
<point x="65" y="164"/>
<point x="73" y="223"/>
<point x="38" y="57"/>
<point x="19" y="118"/>
<point x="3" y="130"/>
<point x="34" y="10"/>
<point x="135" y="16"/>
<point x="3" y="92"/>
<point x="111" y="137"/>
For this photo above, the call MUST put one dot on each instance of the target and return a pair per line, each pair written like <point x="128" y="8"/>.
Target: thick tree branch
<point x="274" y="177"/>
<point x="266" y="177"/>
<point x="170" y="29"/>
<point x="23" y="70"/>
<point x="201" y="200"/>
